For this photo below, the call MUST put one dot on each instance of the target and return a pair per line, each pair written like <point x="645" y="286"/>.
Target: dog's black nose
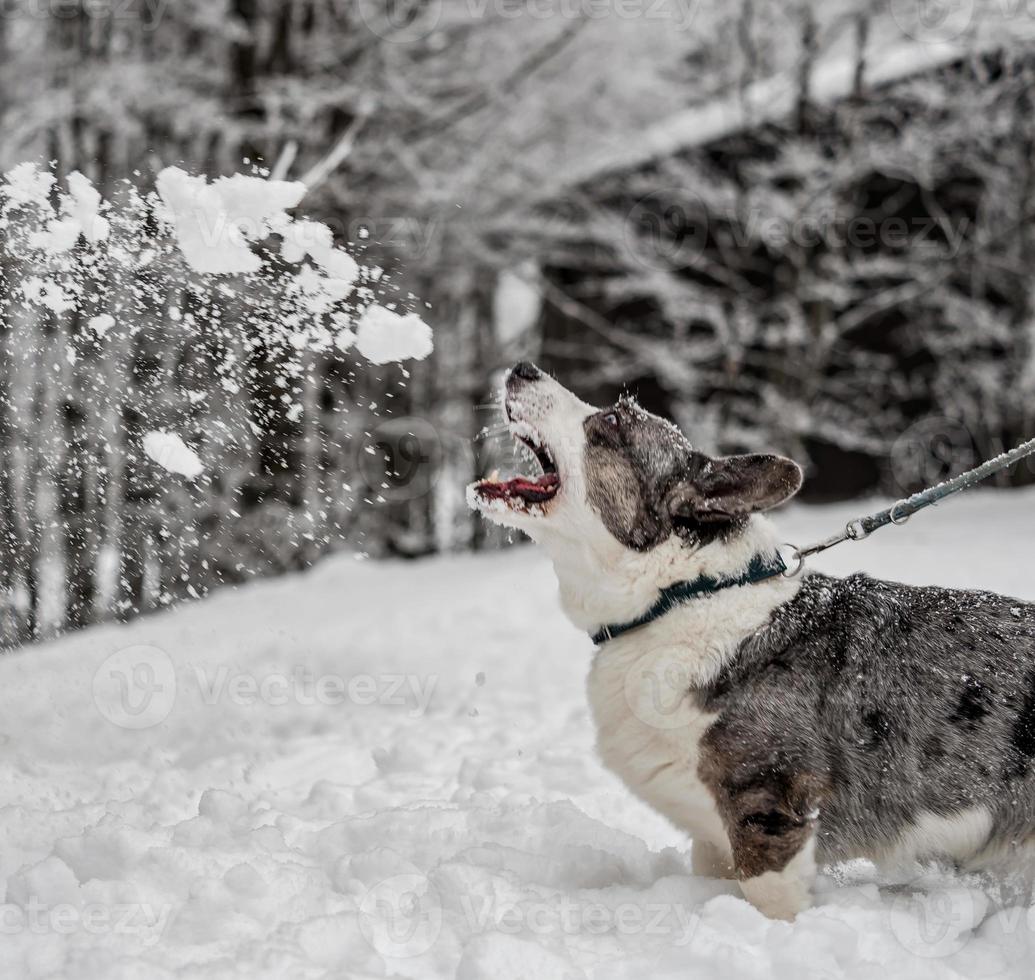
<point x="526" y="371"/>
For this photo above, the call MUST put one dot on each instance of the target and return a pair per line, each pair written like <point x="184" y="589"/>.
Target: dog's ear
<point x="735" y="486"/>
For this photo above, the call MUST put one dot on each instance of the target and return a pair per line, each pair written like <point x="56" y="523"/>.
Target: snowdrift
<point x="386" y="770"/>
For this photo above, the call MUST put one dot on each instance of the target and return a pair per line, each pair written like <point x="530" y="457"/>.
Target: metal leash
<point x="900" y="512"/>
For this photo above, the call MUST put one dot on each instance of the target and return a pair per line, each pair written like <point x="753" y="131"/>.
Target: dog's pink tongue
<point x="533" y="491"/>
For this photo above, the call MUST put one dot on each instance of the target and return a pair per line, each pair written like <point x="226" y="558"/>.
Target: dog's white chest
<point x="648" y="733"/>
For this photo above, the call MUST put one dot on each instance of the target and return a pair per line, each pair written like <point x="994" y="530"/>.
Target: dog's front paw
<point x="778" y="894"/>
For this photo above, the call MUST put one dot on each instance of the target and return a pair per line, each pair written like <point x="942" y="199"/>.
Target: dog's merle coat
<point x="812" y="720"/>
<point x="873" y="702"/>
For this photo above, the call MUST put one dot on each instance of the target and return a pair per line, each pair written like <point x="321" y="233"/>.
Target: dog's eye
<point x="611" y="420"/>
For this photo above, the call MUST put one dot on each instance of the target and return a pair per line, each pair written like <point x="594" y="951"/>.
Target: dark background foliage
<point x="795" y="225"/>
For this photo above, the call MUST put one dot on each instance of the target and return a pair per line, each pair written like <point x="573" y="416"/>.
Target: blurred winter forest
<point x="798" y="224"/>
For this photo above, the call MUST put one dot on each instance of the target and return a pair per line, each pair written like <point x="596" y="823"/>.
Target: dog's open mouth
<point x="524" y="493"/>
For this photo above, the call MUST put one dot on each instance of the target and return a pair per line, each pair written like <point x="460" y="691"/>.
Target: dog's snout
<point x="526" y="371"/>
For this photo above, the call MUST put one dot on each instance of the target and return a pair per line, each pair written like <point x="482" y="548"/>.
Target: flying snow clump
<point x="224" y="244"/>
<point x="170" y="452"/>
<point x="383" y="336"/>
<point x="216" y="223"/>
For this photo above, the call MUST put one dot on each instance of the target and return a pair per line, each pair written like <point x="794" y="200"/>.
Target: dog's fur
<point x="788" y="723"/>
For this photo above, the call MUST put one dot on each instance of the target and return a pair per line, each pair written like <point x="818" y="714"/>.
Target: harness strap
<point x="760" y="568"/>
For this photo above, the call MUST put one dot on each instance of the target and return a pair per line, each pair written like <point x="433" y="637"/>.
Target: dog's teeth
<point x="494" y="476"/>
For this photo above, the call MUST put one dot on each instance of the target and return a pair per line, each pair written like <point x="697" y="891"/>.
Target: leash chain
<point x="900" y="512"/>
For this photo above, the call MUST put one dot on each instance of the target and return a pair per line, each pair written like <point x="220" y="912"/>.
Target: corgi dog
<point x="782" y="722"/>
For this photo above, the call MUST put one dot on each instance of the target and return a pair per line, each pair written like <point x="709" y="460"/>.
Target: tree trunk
<point x="22" y="454"/>
<point x="111" y="451"/>
<point x="313" y="504"/>
<point x="52" y="571"/>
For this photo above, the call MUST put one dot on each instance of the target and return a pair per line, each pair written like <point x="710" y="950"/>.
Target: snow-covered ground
<point x="379" y="770"/>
